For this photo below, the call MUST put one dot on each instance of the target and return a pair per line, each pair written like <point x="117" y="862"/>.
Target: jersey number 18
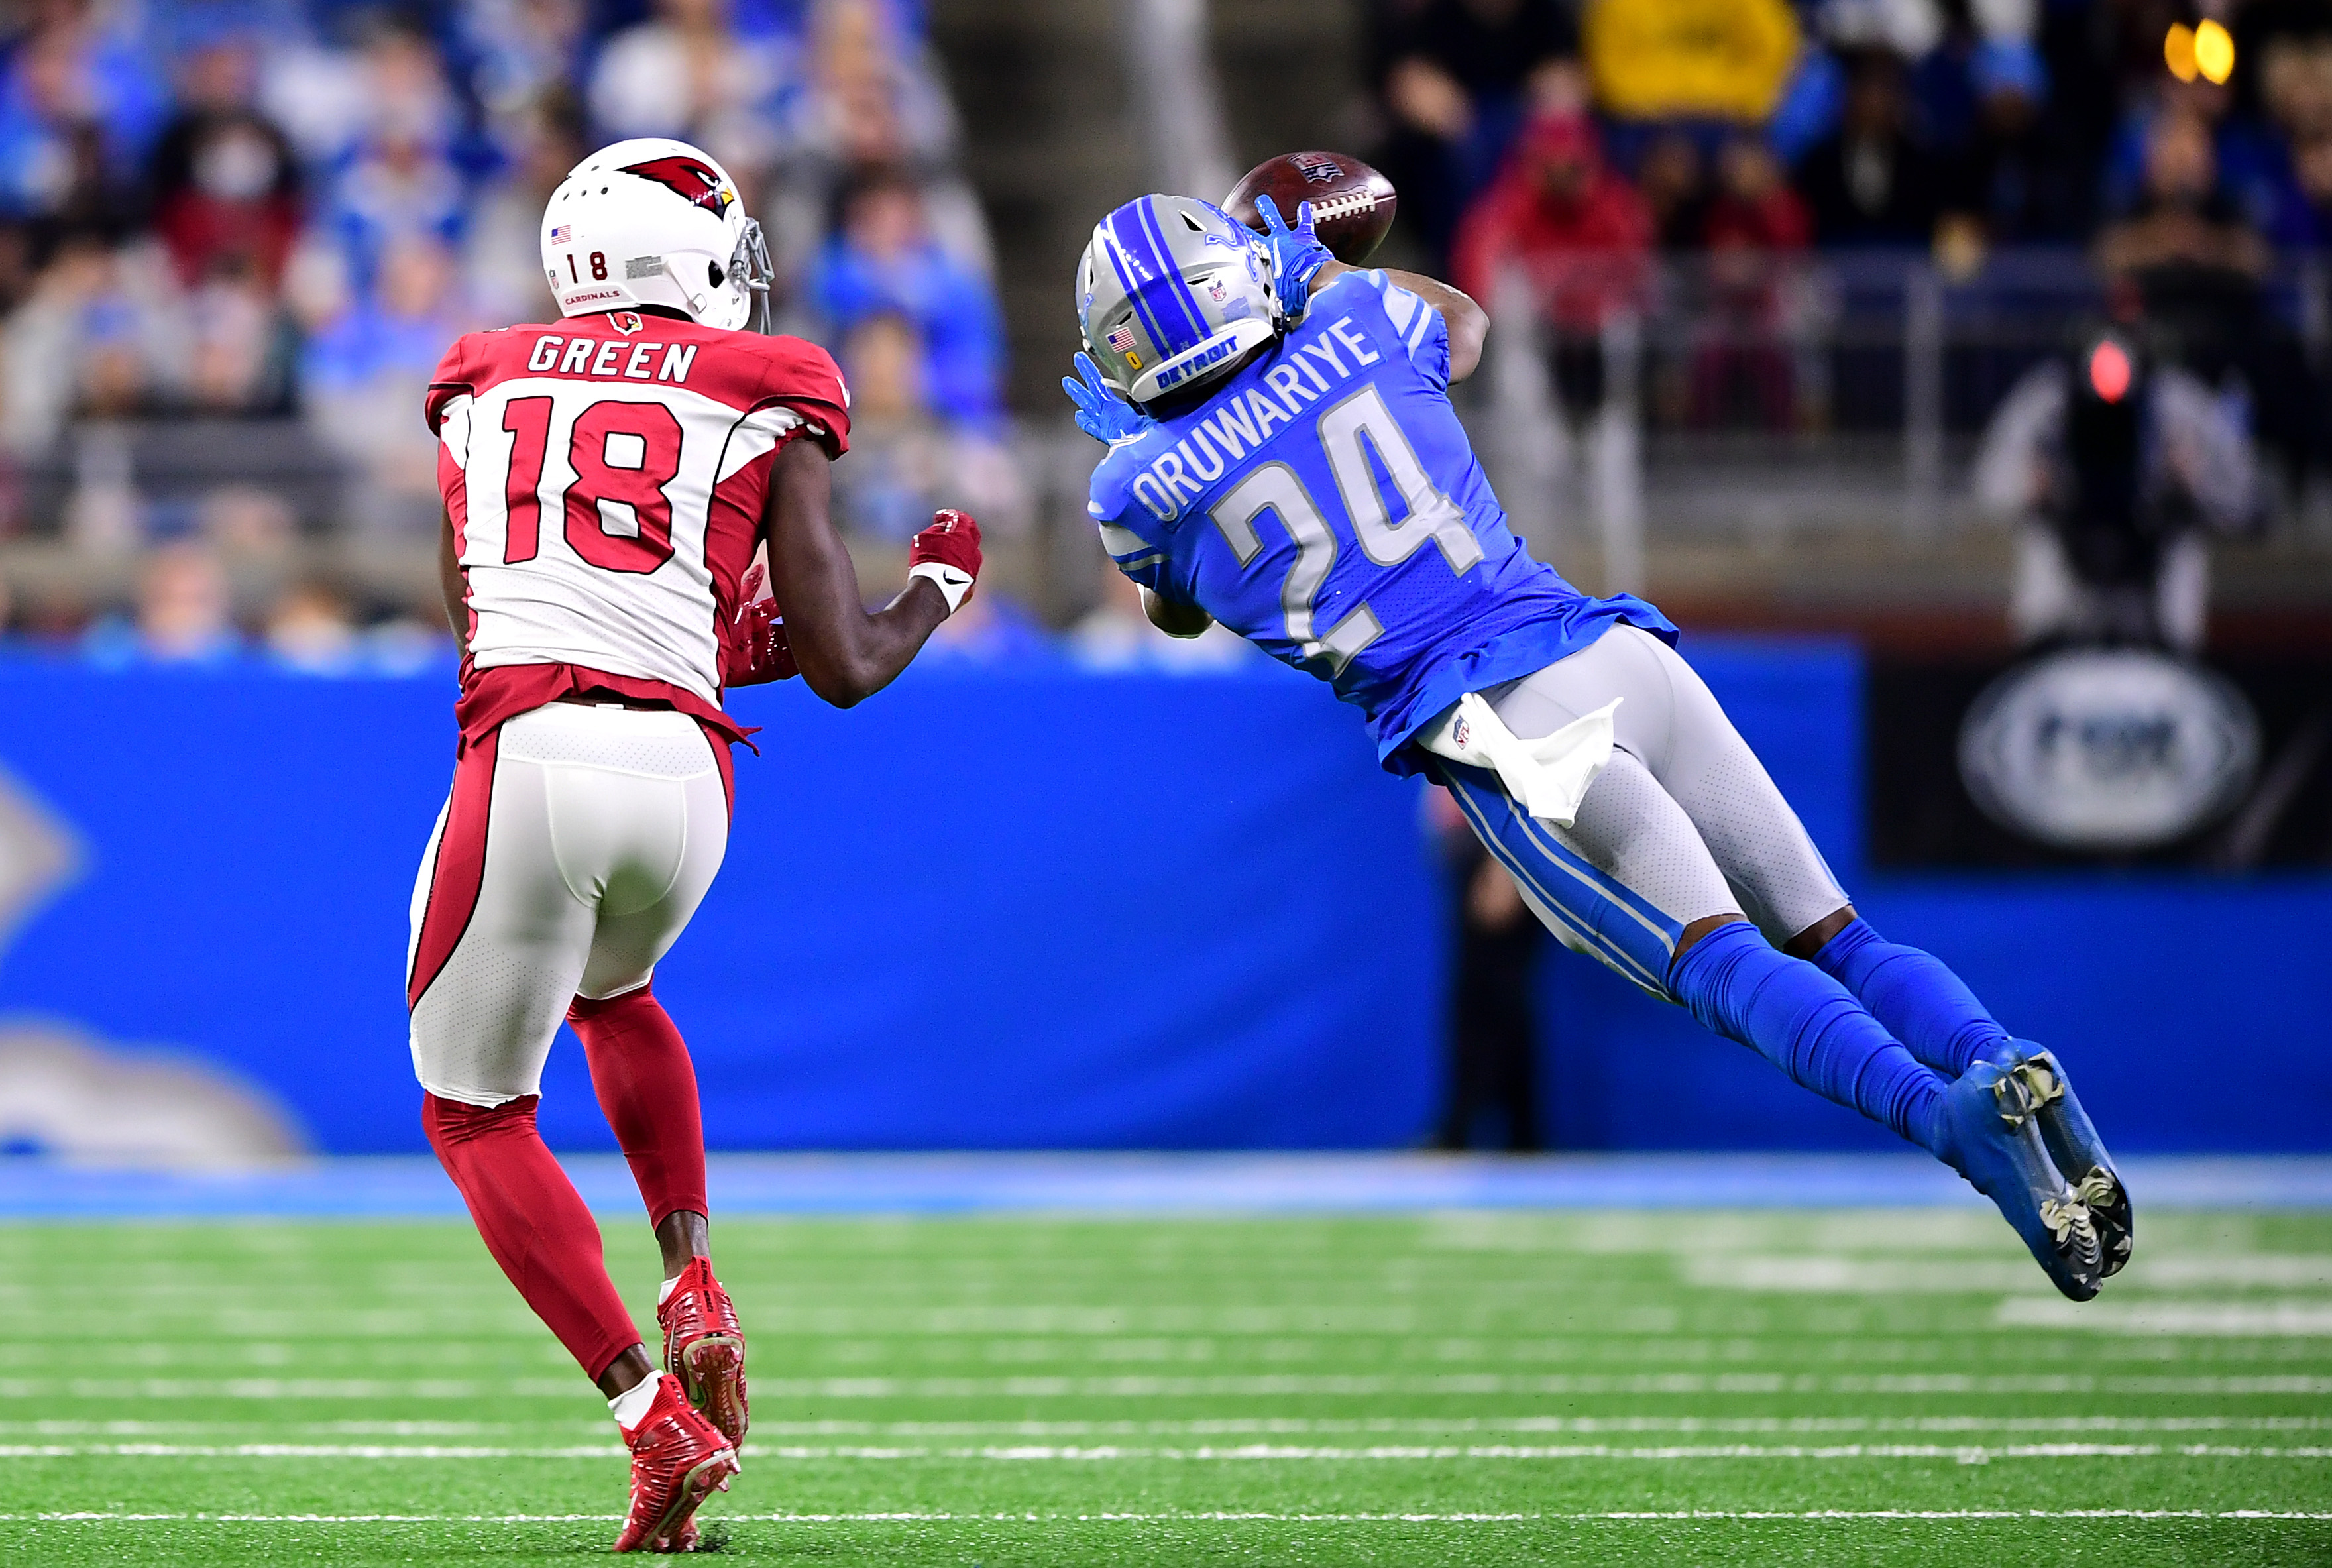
<point x="622" y="454"/>
<point x="1273" y="487"/>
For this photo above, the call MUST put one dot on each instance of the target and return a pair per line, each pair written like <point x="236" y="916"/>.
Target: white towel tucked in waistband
<point x="1549" y="776"/>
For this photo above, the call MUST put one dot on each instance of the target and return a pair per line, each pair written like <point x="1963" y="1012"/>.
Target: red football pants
<point x="534" y="1222"/>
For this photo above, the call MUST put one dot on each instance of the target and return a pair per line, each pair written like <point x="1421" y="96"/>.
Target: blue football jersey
<point x="1325" y="504"/>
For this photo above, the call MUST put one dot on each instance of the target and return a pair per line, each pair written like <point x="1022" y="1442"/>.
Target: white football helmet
<point x="656" y="222"/>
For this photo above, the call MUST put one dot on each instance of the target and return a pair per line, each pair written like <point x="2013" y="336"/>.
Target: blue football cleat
<point x="2074" y="1146"/>
<point x="1994" y="1141"/>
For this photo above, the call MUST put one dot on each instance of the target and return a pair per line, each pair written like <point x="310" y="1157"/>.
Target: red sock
<point x="648" y="1087"/>
<point x="534" y="1222"/>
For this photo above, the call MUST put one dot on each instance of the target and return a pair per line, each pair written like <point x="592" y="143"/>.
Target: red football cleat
<point x="678" y="1460"/>
<point x="704" y="1348"/>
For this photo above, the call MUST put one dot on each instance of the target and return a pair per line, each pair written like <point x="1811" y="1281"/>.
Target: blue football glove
<point x="1297" y="255"/>
<point x="1101" y="414"/>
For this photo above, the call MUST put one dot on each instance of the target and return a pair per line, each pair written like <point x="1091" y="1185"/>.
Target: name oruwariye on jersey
<point x="1238" y="424"/>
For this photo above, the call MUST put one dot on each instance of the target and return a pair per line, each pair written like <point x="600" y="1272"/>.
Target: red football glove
<point x="948" y="553"/>
<point x="753" y="647"/>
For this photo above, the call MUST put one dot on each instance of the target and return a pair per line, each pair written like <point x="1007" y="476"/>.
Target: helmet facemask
<point x="750" y="261"/>
<point x="746" y="278"/>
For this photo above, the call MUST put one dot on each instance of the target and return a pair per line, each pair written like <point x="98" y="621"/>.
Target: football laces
<point x="1351" y="204"/>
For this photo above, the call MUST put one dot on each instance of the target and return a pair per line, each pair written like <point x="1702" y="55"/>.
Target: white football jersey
<point x="606" y="477"/>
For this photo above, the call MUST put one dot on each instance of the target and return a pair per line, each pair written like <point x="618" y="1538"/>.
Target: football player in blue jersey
<point x="1283" y="458"/>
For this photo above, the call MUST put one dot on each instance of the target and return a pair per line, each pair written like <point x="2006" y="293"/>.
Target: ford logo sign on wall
<point x="2108" y="749"/>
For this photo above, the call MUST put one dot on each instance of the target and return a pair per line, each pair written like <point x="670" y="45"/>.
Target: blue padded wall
<point x="1039" y="908"/>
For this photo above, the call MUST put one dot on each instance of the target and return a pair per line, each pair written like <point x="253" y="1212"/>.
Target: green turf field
<point x="1885" y="1386"/>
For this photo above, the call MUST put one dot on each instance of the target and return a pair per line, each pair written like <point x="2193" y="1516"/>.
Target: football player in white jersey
<point x="608" y="479"/>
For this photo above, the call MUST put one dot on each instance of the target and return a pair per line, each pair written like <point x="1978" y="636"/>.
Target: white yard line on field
<point x="60" y="1428"/>
<point x="2273" y="1317"/>
<point x="1203" y="1427"/>
<point x="1961" y="1453"/>
<point x="1292" y="1385"/>
<point x="281" y="1388"/>
<point x="1224" y="1516"/>
<point x="1301" y="1426"/>
<point x="1831" y="1272"/>
<point x="300" y="1451"/>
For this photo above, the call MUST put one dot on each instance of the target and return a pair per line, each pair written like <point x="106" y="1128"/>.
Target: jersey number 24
<point x="1273" y="487"/>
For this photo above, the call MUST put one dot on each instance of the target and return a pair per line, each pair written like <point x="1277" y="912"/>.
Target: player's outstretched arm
<point x="1469" y="324"/>
<point x="847" y="655"/>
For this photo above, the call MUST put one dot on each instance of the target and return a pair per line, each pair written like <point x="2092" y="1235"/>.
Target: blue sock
<point x="1919" y="1000"/>
<point x="1806" y="1023"/>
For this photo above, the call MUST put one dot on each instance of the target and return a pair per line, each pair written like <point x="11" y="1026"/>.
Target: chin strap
<point x="697" y="299"/>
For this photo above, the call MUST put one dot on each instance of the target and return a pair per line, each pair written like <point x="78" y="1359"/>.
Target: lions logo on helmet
<point x="1171" y="294"/>
<point x="653" y="222"/>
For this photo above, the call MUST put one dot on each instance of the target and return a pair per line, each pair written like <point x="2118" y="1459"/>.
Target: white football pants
<point x="575" y="845"/>
<point x="1682" y="824"/>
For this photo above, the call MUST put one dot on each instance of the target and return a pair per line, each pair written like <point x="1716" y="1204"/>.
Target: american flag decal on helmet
<point x="562" y="234"/>
<point x="1121" y="338"/>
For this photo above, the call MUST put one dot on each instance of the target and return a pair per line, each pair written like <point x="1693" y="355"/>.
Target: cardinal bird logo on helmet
<point x="690" y="178"/>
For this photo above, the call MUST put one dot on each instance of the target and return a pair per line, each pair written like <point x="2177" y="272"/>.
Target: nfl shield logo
<point x="1122" y="338"/>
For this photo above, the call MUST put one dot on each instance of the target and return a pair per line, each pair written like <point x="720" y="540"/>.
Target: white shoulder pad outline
<point x="453" y="427"/>
<point x="1411" y="315"/>
<point x="1128" y="548"/>
<point x="760" y="431"/>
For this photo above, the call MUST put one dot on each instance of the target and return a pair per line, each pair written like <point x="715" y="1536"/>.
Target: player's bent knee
<point x="1817" y="936"/>
<point x="450" y="1123"/>
<point x="1706" y="926"/>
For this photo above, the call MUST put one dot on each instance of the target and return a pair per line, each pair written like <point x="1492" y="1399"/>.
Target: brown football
<point x="1351" y="203"/>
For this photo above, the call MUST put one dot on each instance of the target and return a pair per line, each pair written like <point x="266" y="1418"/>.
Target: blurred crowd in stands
<point x="1947" y="124"/>
<point x="236" y="235"/>
<point x="1615" y="154"/>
